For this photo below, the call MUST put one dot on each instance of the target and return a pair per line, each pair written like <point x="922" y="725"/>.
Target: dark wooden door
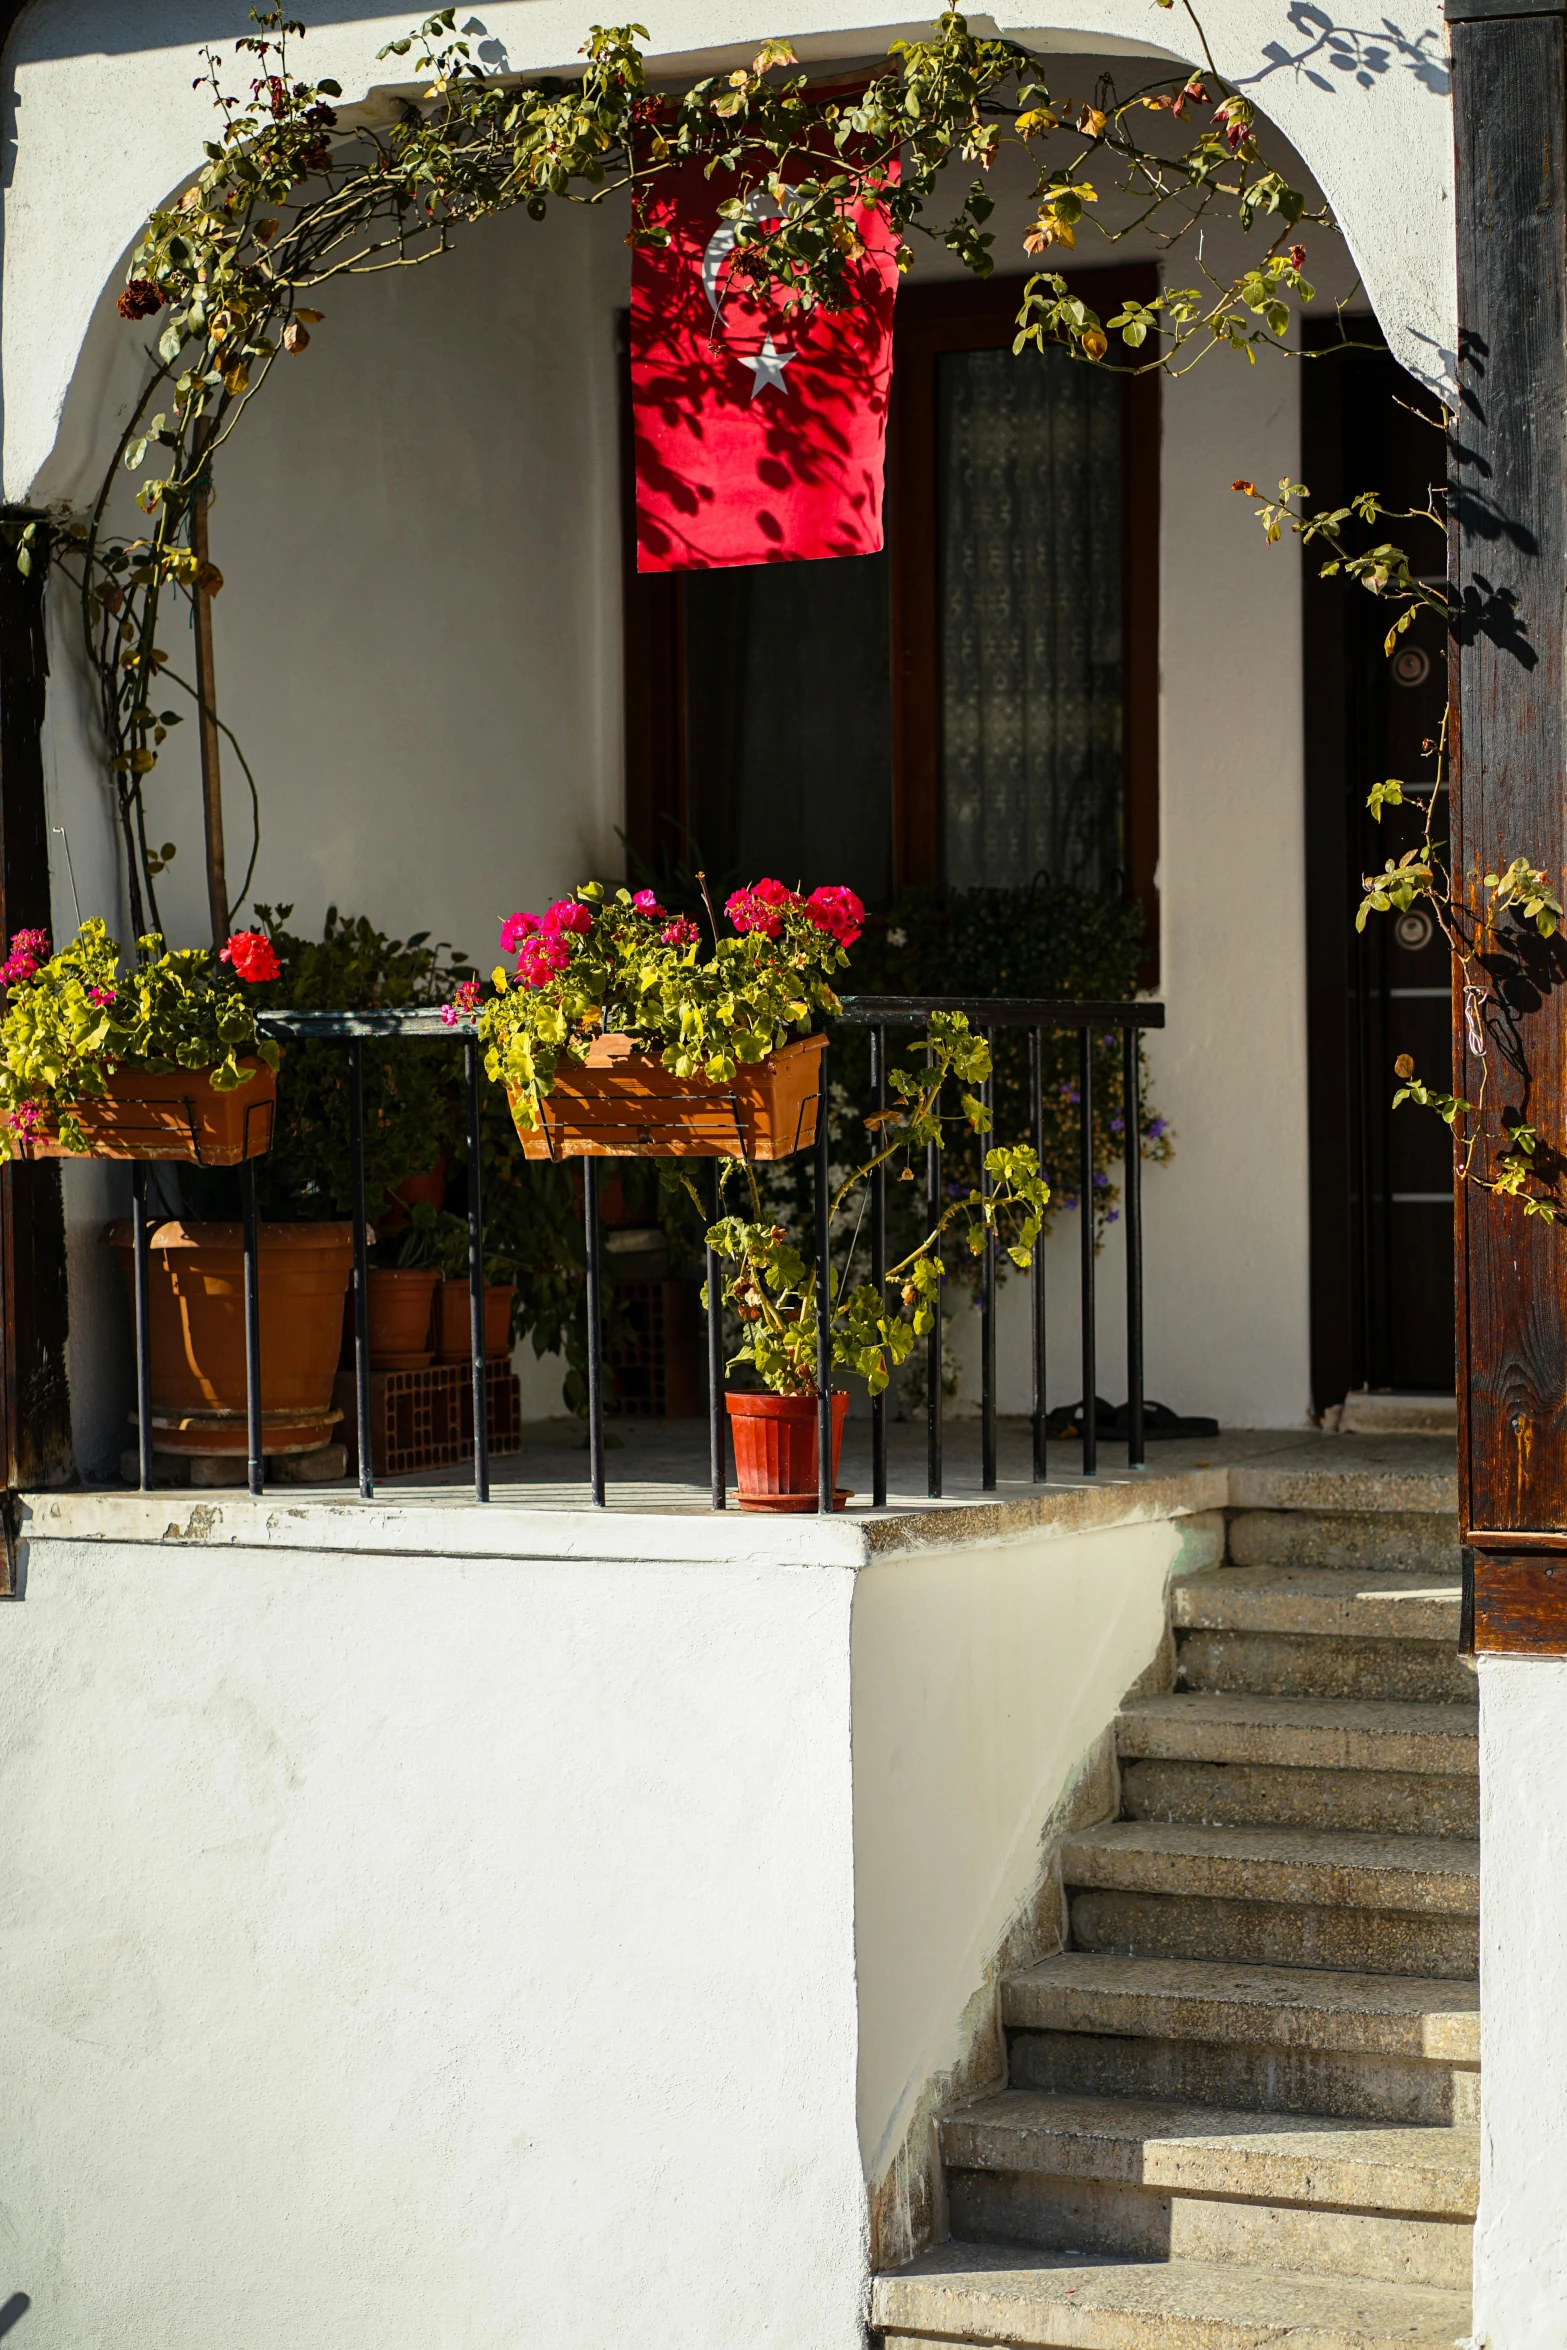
<point x="1382" y="1179"/>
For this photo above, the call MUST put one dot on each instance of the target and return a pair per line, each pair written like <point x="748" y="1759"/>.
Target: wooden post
<point x="1509" y="565"/>
<point x="35" y="1412"/>
<point x="207" y="718"/>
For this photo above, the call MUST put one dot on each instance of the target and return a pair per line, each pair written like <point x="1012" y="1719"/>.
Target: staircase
<point x="1242" y="2105"/>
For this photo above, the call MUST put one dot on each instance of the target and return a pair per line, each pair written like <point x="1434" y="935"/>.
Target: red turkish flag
<point x="760" y="431"/>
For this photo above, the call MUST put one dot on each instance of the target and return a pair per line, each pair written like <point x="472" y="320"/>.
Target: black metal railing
<point x="1039" y="1016"/>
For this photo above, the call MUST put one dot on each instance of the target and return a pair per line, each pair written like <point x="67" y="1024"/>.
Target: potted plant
<point x="161" y="1060"/>
<point x="774" y="1289"/>
<point x="616" y="1036"/>
<point x="436" y="1249"/>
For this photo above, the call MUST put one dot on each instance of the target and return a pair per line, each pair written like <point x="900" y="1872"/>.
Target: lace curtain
<point x="1030" y="619"/>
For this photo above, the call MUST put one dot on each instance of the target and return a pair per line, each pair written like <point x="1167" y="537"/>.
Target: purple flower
<point x="1157" y="1127"/>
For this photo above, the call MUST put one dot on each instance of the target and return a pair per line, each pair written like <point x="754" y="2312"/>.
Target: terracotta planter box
<point x="173" y="1117"/>
<point x="775" y="1449"/>
<point x="196" y="1312"/>
<point x="622" y="1104"/>
<point x="454" y="1321"/>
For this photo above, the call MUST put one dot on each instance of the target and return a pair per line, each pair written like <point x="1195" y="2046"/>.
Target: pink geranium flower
<point x="570" y="915"/>
<point x="249" y="954"/>
<point x="646" y="903"/>
<point x="682" y="932"/>
<point x="515" y="929"/>
<point x="540" y="959"/>
<point x="29" y="948"/>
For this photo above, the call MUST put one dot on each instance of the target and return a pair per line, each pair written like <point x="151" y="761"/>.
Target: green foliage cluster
<point x="1053" y="941"/>
<point x="412" y="1111"/>
<point x="76" y="1017"/>
<point x="874" y="1330"/>
<point x="636" y="973"/>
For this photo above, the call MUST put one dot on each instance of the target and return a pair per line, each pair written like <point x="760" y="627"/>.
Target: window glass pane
<point x="1029" y="532"/>
<point x="789" y="722"/>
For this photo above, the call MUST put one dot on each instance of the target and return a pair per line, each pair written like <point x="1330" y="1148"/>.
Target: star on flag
<point x="767" y="368"/>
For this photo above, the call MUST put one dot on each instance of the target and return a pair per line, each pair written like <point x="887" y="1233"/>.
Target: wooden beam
<point x="1508" y="480"/>
<point x="35" y="1411"/>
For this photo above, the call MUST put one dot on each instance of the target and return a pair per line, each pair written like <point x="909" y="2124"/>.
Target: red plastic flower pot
<point x="775" y="1449"/>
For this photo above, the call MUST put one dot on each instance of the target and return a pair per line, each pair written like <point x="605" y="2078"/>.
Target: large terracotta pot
<point x="621" y="1103"/>
<point x="173" y="1117"/>
<point x="398" y="1302"/>
<point x="197" y="1320"/>
<point x="775" y="1449"/>
<point x="454" y="1321"/>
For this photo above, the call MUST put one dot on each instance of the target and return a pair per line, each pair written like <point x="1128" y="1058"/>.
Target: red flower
<point x="837" y="911"/>
<point x="682" y="932"/>
<point x="646" y="903"/>
<point x="515" y="929"/>
<point x="568" y="914"/>
<point x="761" y="907"/>
<point x="251" y="956"/>
<point x="540" y="959"/>
<point x="141" y="299"/>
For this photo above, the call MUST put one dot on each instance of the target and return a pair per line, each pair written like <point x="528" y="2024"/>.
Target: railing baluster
<point x="933" y="1207"/>
<point x="590" y="1211"/>
<point x="356" y="1131"/>
<point x="1036" y="1103"/>
<point x="481" y="1376"/>
<point x="143" y="1325"/>
<point x="715" y="1356"/>
<point x="824" y="1475"/>
<point x="987" y="1301"/>
<point x="256" y="1466"/>
<point x="879" y="1263"/>
<point x="1131" y="1109"/>
<point x="1085" y="1087"/>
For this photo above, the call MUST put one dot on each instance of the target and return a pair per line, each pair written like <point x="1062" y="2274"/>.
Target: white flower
<point x="897" y="938"/>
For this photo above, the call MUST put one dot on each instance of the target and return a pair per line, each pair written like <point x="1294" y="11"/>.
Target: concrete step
<point x="1276" y="1933"/>
<point x="1328" y="1603"/>
<point x="1374" y="2047"/>
<point x="1408" y="1803"/>
<point x="1301" y="1733"/>
<point x="1143" y="2179"/>
<point x="1420" y="1875"/>
<point x="1413" y="1541"/>
<point x="1302" y="1664"/>
<point x="1205" y="2150"/>
<point x="1285" y="2007"/>
<point x="966" y="2294"/>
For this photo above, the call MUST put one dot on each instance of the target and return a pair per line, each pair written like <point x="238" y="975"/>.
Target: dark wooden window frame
<point x="968" y="315"/>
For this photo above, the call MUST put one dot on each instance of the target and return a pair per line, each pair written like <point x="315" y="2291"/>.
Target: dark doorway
<point x="976" y="705"/>
<point x="1381" y="1179"/>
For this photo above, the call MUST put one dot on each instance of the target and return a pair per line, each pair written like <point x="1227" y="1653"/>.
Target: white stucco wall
<point x="532" y="1943"/>
<point x="1520" y="2273"/>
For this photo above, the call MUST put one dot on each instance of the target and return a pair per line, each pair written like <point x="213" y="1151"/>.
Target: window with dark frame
<point x="978" y="704"/>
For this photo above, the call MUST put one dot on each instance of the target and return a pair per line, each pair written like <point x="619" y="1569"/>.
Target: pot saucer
<point x="791" y="1501"/>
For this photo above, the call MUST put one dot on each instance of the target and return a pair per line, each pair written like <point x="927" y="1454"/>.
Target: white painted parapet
<point x="1520" y="2280"/>
<point x="509" y="1926"/>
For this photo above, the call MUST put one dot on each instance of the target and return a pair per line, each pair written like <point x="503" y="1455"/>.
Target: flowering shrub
<point x="873" y="1330"/>
<point x="72" y="1019"/>
<point x="609" y="962"/>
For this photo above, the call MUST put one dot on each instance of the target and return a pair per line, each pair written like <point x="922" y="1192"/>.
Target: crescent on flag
<point x="759" y="205"/>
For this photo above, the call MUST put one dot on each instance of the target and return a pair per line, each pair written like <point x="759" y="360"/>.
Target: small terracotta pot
<point x="399" y="1315"/>
<point x="775" y="1449"/>
<point x="454" y="1325"/>
<point x="414" y="1191"/>
<point x="197" y="1325"/>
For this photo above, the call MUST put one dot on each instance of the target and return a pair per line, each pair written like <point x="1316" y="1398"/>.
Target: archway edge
<point x="103" y="123"/>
